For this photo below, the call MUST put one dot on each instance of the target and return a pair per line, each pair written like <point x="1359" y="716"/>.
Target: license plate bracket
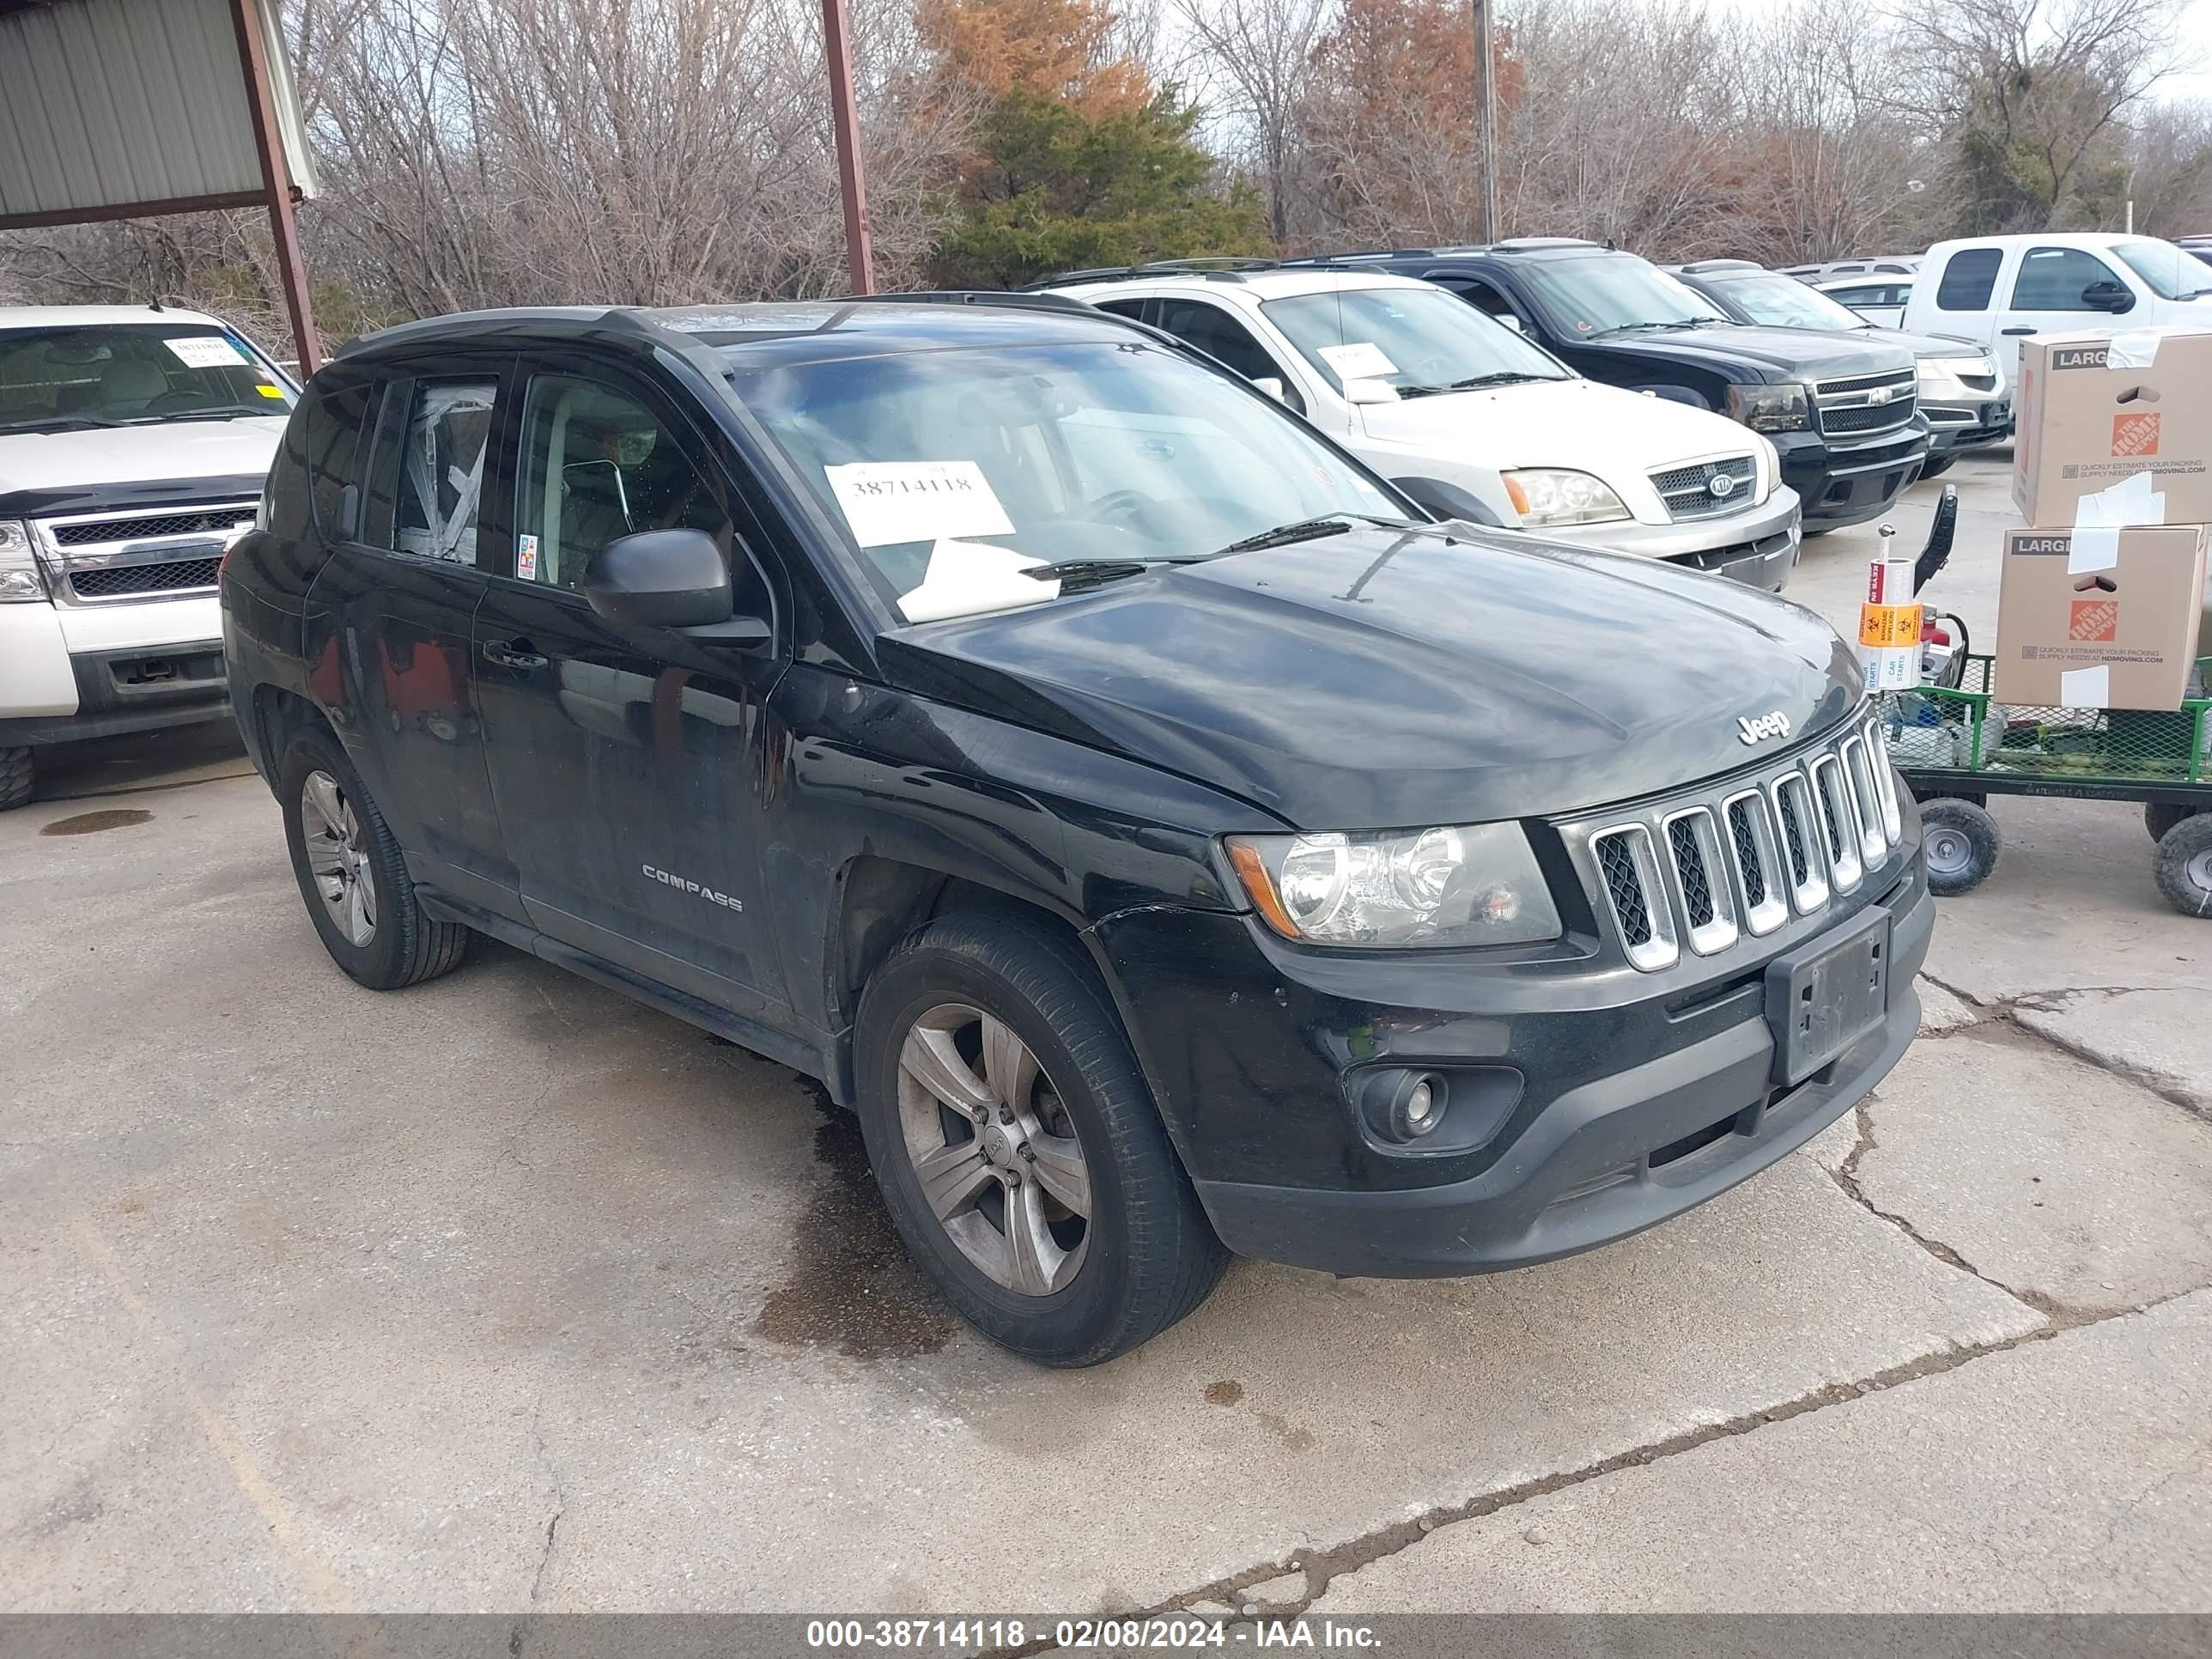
<point x="1827" y="994"/>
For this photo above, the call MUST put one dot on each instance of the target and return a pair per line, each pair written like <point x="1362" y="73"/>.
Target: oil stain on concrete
<point x="850" y="1286"/>
<point x="88" y="823"/>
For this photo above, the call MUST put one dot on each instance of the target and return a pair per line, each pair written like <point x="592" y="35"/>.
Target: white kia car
<point x="1419" y="384"/>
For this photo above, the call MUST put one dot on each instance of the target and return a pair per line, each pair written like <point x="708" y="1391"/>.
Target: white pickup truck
<point x="1996" y="290"/>
<point x="134" y="443"/>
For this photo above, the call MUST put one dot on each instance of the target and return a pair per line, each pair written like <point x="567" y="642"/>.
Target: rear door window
<point x="334" y="433"/>
<point x="1970" y="279"/>
<point x="441" y="469"/>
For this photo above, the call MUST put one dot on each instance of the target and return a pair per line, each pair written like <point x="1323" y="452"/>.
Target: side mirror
<point x="1370" y="392"/>
<point x="2115" y="297"/>
<point x="1273" y="385"/>
<point x="1442" y="500"/>
<point x="668" y="579"/>
<point x="1507" y="319"/>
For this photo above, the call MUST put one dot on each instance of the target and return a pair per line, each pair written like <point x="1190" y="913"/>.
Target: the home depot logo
<point x="2095" y="620"/>
<point x="2135" y="435"/>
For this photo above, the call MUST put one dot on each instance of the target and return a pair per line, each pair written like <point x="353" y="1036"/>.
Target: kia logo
<point x="1774" y="724"/>
<point x="1721" y="486"/>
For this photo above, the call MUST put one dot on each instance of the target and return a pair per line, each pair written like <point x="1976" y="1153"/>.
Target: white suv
<point x="1417" y="383"/>
<point x="134" y="443"/>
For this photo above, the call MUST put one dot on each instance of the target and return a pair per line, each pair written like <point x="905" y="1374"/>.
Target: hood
<point x="1555" y="424"/>
<point x="1774" y="353"/>
<point x="1380" y="679"/>
<point x="78" y="461"/>
<point x="1931" y="345"/>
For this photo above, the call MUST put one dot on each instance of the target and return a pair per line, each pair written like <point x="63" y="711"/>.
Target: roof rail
<point x="1022" y="298"/>
<point x="1225" y="267"/>
<point x="1520" y="244"/>
<point x="1699" y="267"/>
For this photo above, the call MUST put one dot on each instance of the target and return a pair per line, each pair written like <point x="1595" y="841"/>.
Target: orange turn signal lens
<point x="1261" y="889"/>
<point x="1515" y="493"/>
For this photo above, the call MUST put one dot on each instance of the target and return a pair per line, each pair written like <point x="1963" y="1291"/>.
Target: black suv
<point x="1167" y="839"/>
<point x="1841" y="411"/>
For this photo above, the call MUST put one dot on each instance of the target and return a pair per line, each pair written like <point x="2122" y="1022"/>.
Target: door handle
<point x="513" y="654"/>
<point x="2019" y="331"/>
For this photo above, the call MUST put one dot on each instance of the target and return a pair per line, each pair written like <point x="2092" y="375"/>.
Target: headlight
<point x="1785" y="408"/>
<point x="1546" y="495"/>
<point x="19" y="576"/>
<point x="1473" y="884"/>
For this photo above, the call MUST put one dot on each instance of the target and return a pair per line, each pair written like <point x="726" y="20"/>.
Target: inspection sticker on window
<point x="888" y="502"/>
<point x="205" y="351"/>
<point x="1362" y="359"/>
<point x="526" y="557"/>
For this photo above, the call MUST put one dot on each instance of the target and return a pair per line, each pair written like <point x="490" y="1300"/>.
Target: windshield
<point x="952" y="471"/>
<point x="60" y="380"/>
<point x="1412" y="338"/>
<point x="1782" y="301"/>
<point x="1600" y="293"/>
<point x="2166" y="271"/>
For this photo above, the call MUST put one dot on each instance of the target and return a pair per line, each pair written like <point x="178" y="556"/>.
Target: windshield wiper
<point x="237" y="413"/>
<point x="1677" y="322"/>
<point x="1311" y="530"/>
<point x="61" y="424"/>
<point x="1073" y="575"/>
<point x="1505" y="376"/>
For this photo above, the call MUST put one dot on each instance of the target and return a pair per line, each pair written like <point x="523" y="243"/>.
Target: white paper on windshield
<point x="887" y="502"/>
<point x="970" y="579"/>
<point x="205" y="351"/>
<point x="1362" y="359"/>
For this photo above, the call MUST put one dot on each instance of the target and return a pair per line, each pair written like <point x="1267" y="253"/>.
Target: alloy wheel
<point x="338" y="858"/>
<point x="994" y="1150"/>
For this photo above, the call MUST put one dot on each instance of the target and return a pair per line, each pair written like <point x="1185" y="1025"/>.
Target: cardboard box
<point x="2098" y="620"/>
<point x="2115" y="429"/>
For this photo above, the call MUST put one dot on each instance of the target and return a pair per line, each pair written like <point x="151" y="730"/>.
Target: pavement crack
<point x="1846" y="1176"/>
<point x="1321" y="1567"/>
<point x="2005" y="1013"/>
<point x="552" y="1522"/>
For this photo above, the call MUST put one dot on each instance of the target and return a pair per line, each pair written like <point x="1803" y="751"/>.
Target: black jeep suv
<point x="1841" y="411"/>
<point x="1167" y="839"/>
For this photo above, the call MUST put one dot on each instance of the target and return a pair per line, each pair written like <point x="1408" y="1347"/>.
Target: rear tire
<point x="2185" y="865"/>
<point x="17" y="778"/>
<point x="351" y="875"/>
<point x="2158" y="817"/>
<point x="1958" y="845"/>
<point x="1057" y="1220"/>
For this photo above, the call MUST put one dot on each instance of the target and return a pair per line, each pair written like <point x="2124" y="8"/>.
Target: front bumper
<point x="1758" y="547"/>
<point x="136" y="689"/>
<point x="1843" y="486"/>
<point x="1254" y="1078"/>
<point x="1955" y="427"/>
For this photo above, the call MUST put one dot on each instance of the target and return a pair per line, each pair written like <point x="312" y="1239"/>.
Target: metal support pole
<point x="860" y="258"/>
<point x="277" y="180"/>
<point x="1485" y="117"/>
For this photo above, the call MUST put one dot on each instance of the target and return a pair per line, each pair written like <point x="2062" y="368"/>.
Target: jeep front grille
<point x="1708" y="870"/>
<point x="1688" y="492"/>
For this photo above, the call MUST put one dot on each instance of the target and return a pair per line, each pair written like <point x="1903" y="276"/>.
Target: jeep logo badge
<point x="1776" y="724"/>
<point x="1721" y="486"/>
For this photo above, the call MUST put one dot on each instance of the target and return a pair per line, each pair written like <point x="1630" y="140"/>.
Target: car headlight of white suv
<point x="20" y="578"/>
<point x="1554" y="495"/>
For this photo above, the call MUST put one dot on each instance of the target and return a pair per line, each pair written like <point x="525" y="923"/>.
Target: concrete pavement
<point x="503" y="1294"/>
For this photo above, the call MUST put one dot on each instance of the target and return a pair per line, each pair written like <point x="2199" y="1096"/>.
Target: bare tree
<point x="1252" y="60"/>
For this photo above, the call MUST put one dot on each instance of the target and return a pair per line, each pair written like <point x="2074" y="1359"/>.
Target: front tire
<point x="2185" y="865"/>
<point x="17" y="778"/>
<point x="1958" y="845"/>
<point x="1936" y="467"/>
<point x="1018" y="1148"/>
<point x="351" y="875"/>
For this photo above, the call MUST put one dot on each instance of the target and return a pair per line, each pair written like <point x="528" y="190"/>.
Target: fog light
<point x="1419" y="1108"/>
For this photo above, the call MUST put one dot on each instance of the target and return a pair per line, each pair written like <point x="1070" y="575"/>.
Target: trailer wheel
<point x="1960" y="844"/>
<point x="2185" y="865"/>
<point x="2159" y="817"/>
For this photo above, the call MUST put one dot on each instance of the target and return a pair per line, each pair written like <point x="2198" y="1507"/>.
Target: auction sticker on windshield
<point x="205" y="351"/>
<point x="888" y="501"/>
<point x="1361" y="359"/>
